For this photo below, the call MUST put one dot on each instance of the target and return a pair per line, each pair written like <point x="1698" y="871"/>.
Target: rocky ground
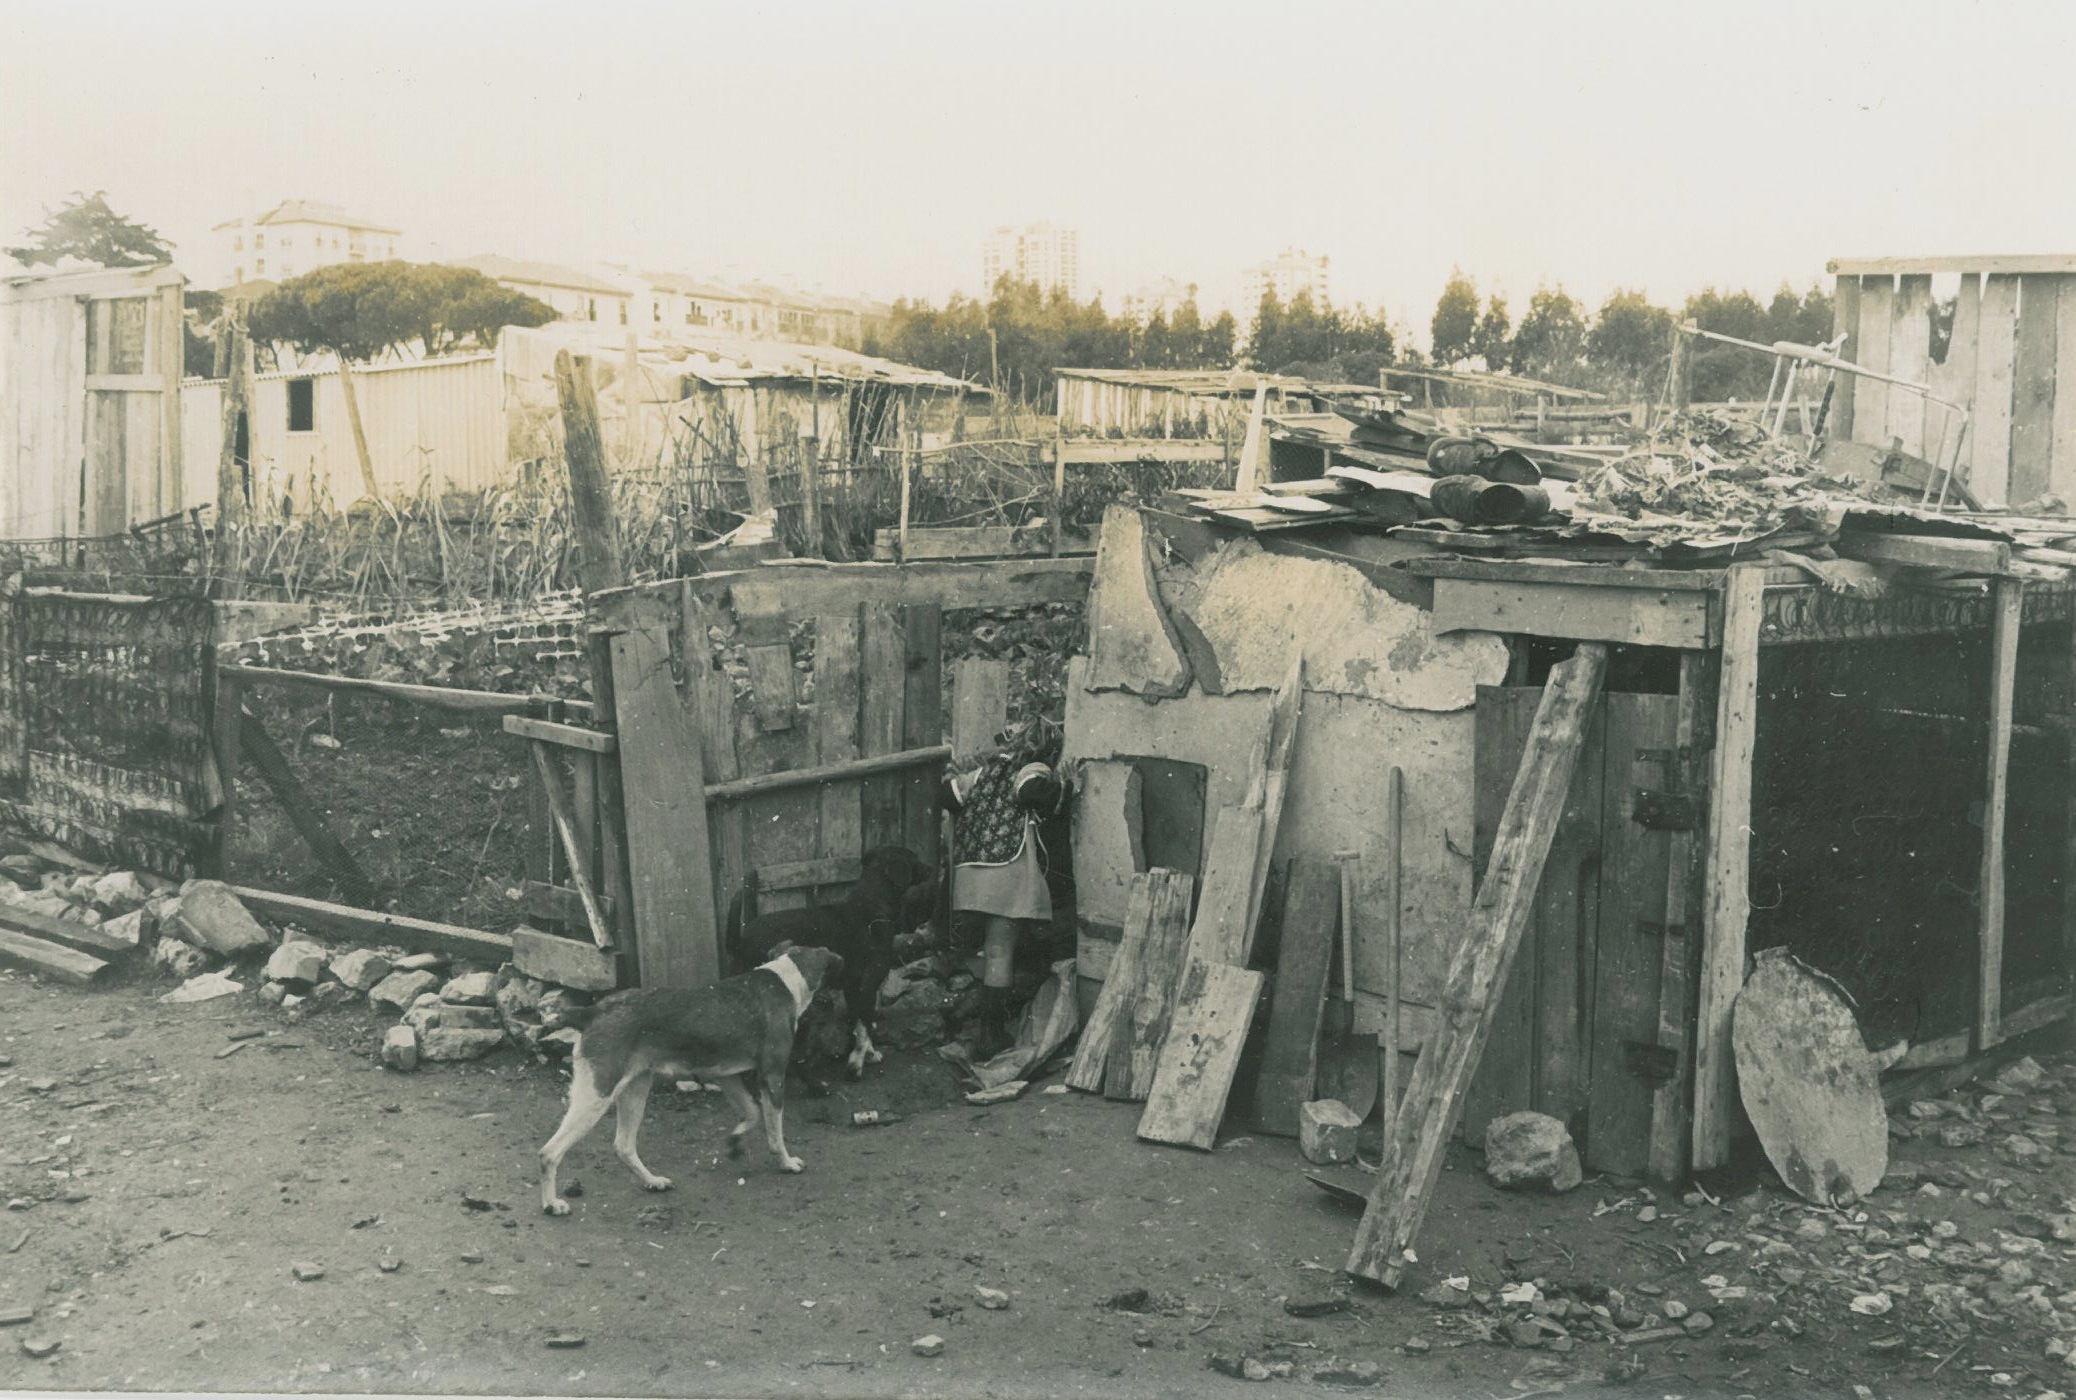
<point x="235" y="1193"/>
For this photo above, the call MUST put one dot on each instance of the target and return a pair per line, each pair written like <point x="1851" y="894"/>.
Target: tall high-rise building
<point x="1040" y="253"/>
<point x="1288" y="273"/>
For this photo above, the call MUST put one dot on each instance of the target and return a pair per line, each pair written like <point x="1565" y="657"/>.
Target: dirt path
<point x="206" y="1178"/>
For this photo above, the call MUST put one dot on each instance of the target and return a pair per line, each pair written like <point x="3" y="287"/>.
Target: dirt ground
<point x="161" y="1192"/>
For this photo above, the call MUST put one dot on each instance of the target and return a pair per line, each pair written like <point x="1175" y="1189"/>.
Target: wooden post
<point x="2007" y="599"/>
<point x="590" y="493"/>
<point x="1248" y="477"/>
<point x="360" y="437"/>
<point x="1729" y="858"/>
<point x="907" y="466"/>
<point x="1499" y="916"/>
<point x="231" y="483"/>
<point x="2069" y="783"/>
<point x="566" y="828"/>
<point x="630" y="375"/>
<point x="228" y="700"/>
<point x="1676" y="386"/>
<point x="1669" y="1132"/>
<point x="1059" y="484"/>
<point x="810" y="467"/>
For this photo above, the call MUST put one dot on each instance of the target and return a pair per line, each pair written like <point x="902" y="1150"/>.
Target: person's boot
<point x="993" y="1036"/>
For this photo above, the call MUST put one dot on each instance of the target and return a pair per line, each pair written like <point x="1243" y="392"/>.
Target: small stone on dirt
<point x="419" y="962"/>
<point x="398" y="990"/>
<point x="471" y="989"/>
<point x="1315" y="1307"/>
<point x="400" y="1048"/>
<point x="206" y="987"/>
<point x="449" y="1043"/>
<point x="307" y="1273"/>
<point x="360" y="969"/>
<point x="39" y="1347"/>
<point x="210" y="916"/>
<point x="296" y="960"/>
<point x="389" y="1266"/>
<point x="563" y="1341"/>
<point x="1697" y="1323"/>
<point x="993" y="1299"/>
<point x="932" y="1345"/>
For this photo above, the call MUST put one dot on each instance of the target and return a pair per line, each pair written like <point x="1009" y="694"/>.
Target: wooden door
<point x="134" y="350"/>
<point x="1577" y="1028"/>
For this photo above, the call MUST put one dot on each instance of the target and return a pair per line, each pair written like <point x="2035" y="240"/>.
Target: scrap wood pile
<point x="1703" y="487"/>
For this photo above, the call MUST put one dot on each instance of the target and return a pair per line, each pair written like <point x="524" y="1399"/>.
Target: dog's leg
<point x="631" y="1102"/>
<point x="873" y="1054"/>
<point x="861" y="1049"/>
<point x="745" y="1106"/>
<point x="771" y="1090"/>
<point x="586" y="1106"/>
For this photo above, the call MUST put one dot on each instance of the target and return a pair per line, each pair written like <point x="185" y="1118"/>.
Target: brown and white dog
<point x="738" y="1033"/>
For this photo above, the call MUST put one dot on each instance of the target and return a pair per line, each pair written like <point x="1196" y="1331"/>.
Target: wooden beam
<point x="1928" y="552"/>
<point x="677" y="942"/>
<point x="590" y="493"/>
<point x="572" y="849"/>
<point x="52" y="960"/>
<point x="807" y="874"/>
<point x="1090" y="451"/>
<point x="568" y="962"/>
<point x="558" y="903"/>
<point x="440" y="697"/>
<point x="84" y="937"/>
<point x="1667" y="1158"/>
<point x="798" y="588"/>
<point x="1624" y="616"/>
<point x="309" y="823"/>
<point x="1729" y="860"/>
<point x="1500" y="914"/>
<point x="979" y="542"/>
<point x="323" y="918"/>
<point x="1989" y="1004"/>
<point x="2015" y="263"/>
<point x="827" y="773"/>
<point x="1290" y="1059"/>
<point x="567" y="736"/>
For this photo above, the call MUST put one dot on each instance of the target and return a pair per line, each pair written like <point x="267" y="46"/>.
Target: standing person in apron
<point x="998" y="869"/>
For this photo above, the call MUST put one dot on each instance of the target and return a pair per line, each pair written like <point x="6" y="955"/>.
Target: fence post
<point x="1059" y="483"/>
<point x="907" y="467"/>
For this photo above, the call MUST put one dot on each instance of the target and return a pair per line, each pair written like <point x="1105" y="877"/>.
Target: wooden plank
<point x="84" y="937"/>
<point x="591" y="498"/>
<point x="922" y="725"/>
<point x="1220" y="933"/>
<point x="1275" y="771"/>
<point x="1694" y="710"/>
<point x="1134" y="1061"/>
<point x="1989" y="1004"/>
<point x="557" y="903"/>
<point x="568" y="736"/>
<point x="302" y="812"/>
<point x="1845" y="320"/>
<point x="771" y="685"/>
<point x="1290" y="1060"/>
<point x="714" y="692"/>
<point x="1626" y="616"/>
<point x="1729" y="861"/>
<point x="1910" y="357"/>
<point x="52" y="960"/>
<point x="787" y="780"/>
<point x="799" y="588"/>
<point x="579" y="859"/>
<point x="1110" y="1018"/>
<point x="1499" y="913"/>
<point x="1505" y="1078"/>
<point x="1954" y="377"/>
<point x="836" y="731"/>
<point x="440" y="697"/>
<point x="814" y="874"/>
<point x="882" y="696"/>
<point x="1214" y="1009"/>
<point x="1998" y="262"/>
<point x="1928" y="552"/>
<point x="675" y="931"/>
<point x="1871" y="396"/>
<point x="2062" y="430"/>
<point x="2069" y="836"/>
<point x="980" y="705"/>
<point x="1560" y="936"/>
<point x="1628" y="948"/>
<point x="322" y="919"/>
<point x="979" y="542"/>
<point x="1996" y="346"/>
<point x="227" y="700"/>
<point x="563" y="961"/>
<point x="1091" y="451"/>
<point x="1607" y="576"/>
<point x="2032" y="388"/>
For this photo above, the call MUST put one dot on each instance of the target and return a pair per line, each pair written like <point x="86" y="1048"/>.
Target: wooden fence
<point x="2012" y="316"/>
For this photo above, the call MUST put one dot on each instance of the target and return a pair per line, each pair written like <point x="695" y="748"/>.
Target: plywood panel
<point x="1954" y="377"/>
<point x="107" y="463"/>
<point x="1845" y="320"/>
<point x="882" y="694"/>
<point x="836" y="723"/>
<point x="143" y="457"/>
<point x="922" y="724"/>
<point x="2032" y="387"/>
<point x="1877" y="324"/>
<point x="1910" y="357"/>
<point x="1995" y="347"/>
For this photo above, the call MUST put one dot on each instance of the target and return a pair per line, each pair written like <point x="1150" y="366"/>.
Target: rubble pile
<point x="1705" y="465"/>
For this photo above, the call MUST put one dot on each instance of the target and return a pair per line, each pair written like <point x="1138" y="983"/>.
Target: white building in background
<point x="574" y="295"/>
<point x="1040" y="253"/>
<point x="1166" y="296"/>
<point x="294" y="237"/>
<point x="1287" y="274"/>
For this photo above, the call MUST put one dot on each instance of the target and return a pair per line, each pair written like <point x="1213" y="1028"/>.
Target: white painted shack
<point x="90" y="404"/>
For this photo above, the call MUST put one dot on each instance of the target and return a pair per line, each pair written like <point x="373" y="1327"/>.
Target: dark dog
<point x="891" y="896"/>
<point x="734" y="1031"/>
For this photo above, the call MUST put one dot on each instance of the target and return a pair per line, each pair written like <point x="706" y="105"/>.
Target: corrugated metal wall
<point x="437" y="425"/>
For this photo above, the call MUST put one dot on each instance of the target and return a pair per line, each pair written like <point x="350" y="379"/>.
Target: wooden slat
<point x="1600" y="576"/>
<point x="1626" y="616"/>
<point x="567" y="736"/>
<point x="882" y="694"/>
<point x="1729" y="865"/>
<point x="1877" y="324"/>
<point x="1290" y="1060"/>
<point x="797" y="589"/>
<point x="2032" y="387"/>
<point x="1995" y="347"/>
<point x="1504" y="1081"/>
<point x="1954" y="377"/>
<point x="52" y="960"/>
<point x="675" y="932"/>
<point x="1845" y="320"/>
<point x="1086" y="451"/>
<point x="814" y="874"/>
<point x="979" y="542"/>
<point x="2069" y="830"/>
<point x="563" y="961"/>
<point x="2008" y="601"/>
<point x="322" y="918"/>
<point x="1135" y="1050"/>
<point x="980" y="705"/>
<point x="557" y="903"/>
<point x="780" y="802"/>
<point x="1693" y="720"/>
<point x="1275" y="772"/>
<point x="922" y="725"/>
<point x="771" y="685"/>
<point x="573" y="851"/>
<point x="2062" y="432"/>
<point x="1213" y="1010"/>
<point x="1499" y="913"/>
<point x="714" y="693"/>
<point x="836" y="731"/>
<point x="84" y="937"/>
<point x="302" y="812"/>
<point x="1910" y="357"/>
<point x="1566" y="902"/>
<point x="1110" y="1017"/>
<point x="470" y="701"/>
<point x="1220" y="933"/>
<point x="1928" y="552"/>
<point x="792" y="779"/>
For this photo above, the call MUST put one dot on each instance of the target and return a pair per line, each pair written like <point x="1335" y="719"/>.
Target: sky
<point x="867" y="148"/>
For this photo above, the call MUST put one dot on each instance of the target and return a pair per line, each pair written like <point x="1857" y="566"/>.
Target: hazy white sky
<point x="866" y="148"/>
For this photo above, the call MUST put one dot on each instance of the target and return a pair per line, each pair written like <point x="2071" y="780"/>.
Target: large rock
<point x="399" y="989"/>
<point x="1531" y="1150"/>
<point x="118" y="892"/>
<point x="23" y="869"/>
<point x="472" y="988"/>
<point x="211" y="917"/>
<point x="360" y="969"/>
<point x="400" y="1048"/>
<point x="455" y="1043"/>
<point x="180" y="959"/>
<point x="296" y="960"/>
<point x="431" y="1013"/>
<point x="135" y="928"/>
